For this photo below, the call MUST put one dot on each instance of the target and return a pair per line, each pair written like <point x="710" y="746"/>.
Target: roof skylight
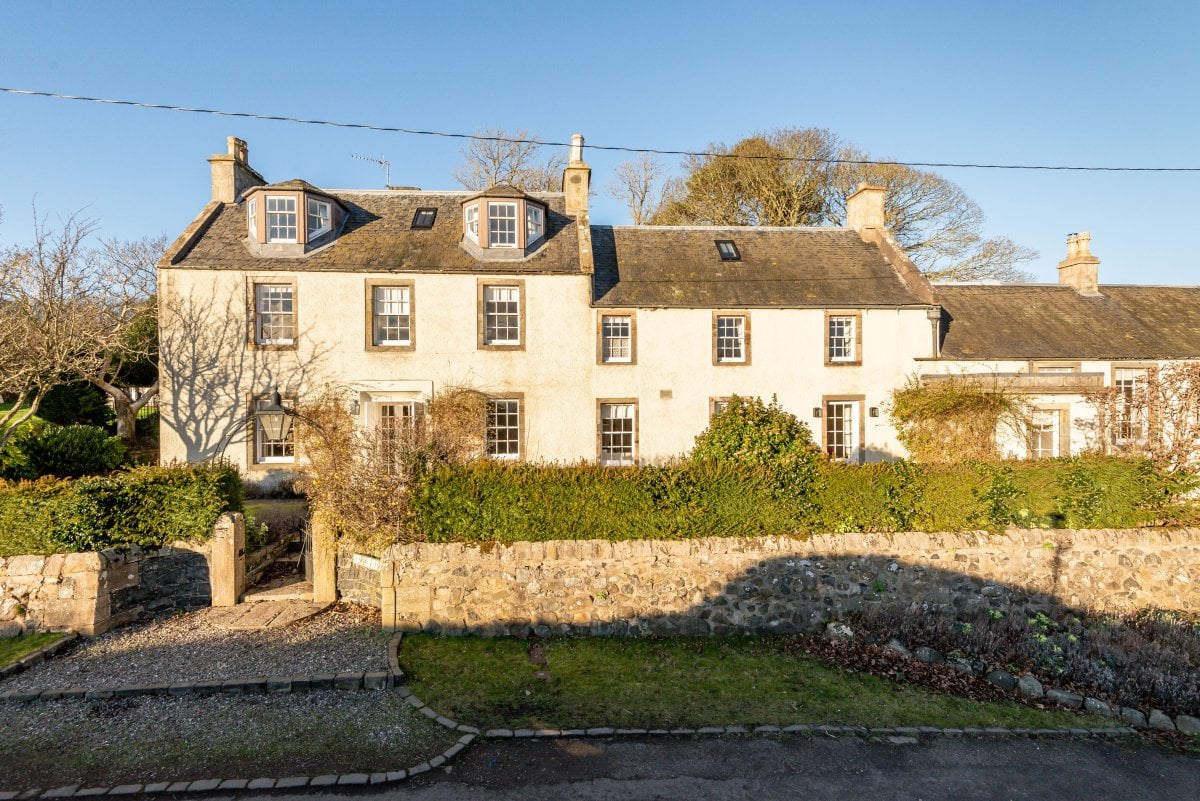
<point x="728" y="250"/>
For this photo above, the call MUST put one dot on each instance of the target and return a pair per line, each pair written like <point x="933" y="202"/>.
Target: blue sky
<point x="1014" y="82"/>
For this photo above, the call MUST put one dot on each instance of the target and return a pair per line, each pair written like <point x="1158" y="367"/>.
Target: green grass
<point x="13" y="648"/>
<point x="679" y="682"/>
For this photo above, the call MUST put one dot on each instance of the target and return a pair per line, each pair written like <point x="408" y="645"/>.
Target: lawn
<point x="679" y="682"/>
<point x="13" y="648"/>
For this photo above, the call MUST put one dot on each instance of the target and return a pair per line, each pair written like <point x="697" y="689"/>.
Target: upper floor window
<point x="274" y="314"/>
<point x="501" y="315"/>
<point x="319" y="217"/>
<point x="471" y="215"/>
<point x="502" y="225"/>
<point x="392" y="315"/>
<point x="616" y="338"/>
<point x="252" y="217"/>
<point x="535" y="222"/>
<point x="281" y="219"/>
<point x="729" y="344"/>
<point x="842" y="339"/>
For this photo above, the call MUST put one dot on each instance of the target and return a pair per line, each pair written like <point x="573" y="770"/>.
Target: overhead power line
<point x="617" y="148"/>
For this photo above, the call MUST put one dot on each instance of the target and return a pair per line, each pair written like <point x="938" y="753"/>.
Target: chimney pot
<point x="576" y="148"/>
<point x="864" y="208"/>
<point x="231" y="172"/>
<point x="1080" y="269"/>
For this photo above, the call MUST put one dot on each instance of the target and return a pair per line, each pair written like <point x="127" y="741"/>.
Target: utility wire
<point x="617" y="148"/>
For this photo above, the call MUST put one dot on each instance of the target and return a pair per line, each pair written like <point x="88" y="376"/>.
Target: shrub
<point x="76" y="403"/>
<point x="72" y="451"/>
<point x="147" y="506"/>
<point x="954" y="418"/>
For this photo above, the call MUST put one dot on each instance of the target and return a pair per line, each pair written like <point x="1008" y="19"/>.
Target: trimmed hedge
<point x="147" y="506"/>
<point x="489" y="501"/>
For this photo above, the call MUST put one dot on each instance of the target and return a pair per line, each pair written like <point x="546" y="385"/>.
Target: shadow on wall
<point x="210" y="375"/>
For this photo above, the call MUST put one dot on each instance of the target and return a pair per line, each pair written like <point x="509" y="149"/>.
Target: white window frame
<point x="323" y="214"/>
<point x="498" y="226"/>
<point x="398" y="307"/>
<point x="841" y="347"/>
<point x="1129" y="381"/>
<point x="611" y="349"/>
<point x="471" y="222"/>
<point x="730" y="332"/>
<point x="287" y="445"/>
<point x="272" y="302"/>
<point x="252" y="217"/>
<point x="1044" y="422"/>
<point x="493" y="296"/>
<point x="618" y="433"/>
<point x="535" y="223"/>
<point x="277" y="218"/>
<point x="502" y="429"/>
<point x="846" y="430"/>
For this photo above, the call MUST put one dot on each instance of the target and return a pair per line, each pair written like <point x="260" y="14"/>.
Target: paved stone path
<point x="262" y="614"/>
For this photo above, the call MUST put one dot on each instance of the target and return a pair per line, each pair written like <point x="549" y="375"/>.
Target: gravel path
<point x="345" y="638"/>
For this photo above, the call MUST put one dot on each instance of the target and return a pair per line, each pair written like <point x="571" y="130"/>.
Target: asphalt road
<point x="797" y="768"/>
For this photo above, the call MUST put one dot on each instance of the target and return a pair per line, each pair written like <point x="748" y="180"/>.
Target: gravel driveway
<point x="345" y="638"/>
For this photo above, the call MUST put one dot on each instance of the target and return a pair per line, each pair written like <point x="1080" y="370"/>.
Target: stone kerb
<point x="777" y="584"/>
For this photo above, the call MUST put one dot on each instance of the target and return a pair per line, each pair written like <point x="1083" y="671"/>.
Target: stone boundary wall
<point x="358" y="577"/>
<point x="92" y="592"/>
<point x="777" y="584"/>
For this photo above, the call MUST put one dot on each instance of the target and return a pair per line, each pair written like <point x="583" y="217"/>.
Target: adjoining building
<point x="601" y="343"/>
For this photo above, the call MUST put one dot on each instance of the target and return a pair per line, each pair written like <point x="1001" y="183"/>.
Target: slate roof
<point x="668" y="266"/>
<point x="1049" y="321"/>
<point x="378" y="237"/>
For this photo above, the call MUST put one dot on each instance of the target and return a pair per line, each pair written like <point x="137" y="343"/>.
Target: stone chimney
<point x="231" y="172"/>
<point x="864" y="208"/>
<point x="577" y="180"/>
<point x="1080" y="269"/>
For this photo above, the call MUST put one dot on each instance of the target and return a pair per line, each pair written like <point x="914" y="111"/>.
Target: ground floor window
<point x="841" y="428"/>
<point x="1043" y="435"/>
<point x="618" y="433"/>
<point x="503" y="428"/>
<point x="273" y="451"/>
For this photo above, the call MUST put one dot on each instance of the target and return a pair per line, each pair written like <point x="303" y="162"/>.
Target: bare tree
<point x="639" y="185"/>
<point x="1157" y="416"/>
<point x="803" y="176"/>
<point x="508" y="158"/>
<point x="71" y="311"/>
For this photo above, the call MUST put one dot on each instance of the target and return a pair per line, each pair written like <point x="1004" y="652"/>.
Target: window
<point x="1043" y="434"/>
<point x="728" y="250"/>
<point x="281" y="219"/>
<point x="1130" y="384"/>
<point x="535" y="222"/>
<point x="392" y="315"/>
<point x="843" y="339"/>
<point x="1055" y="368"/>
<point x="273" y="451"/>
<point x="252" y="218"/>
<point x="716" y="406"/>
<point x="319" y="219"/>
<point x="841" y="429"/>
<point x="618" y="433"/>
<point x="730" y="344"/>
<point x="423" y="218"/>
<point x="502" y="225"/>
<point x="503" y="428"/>
<point x="472" y="219"/>
<point x="616" y="339"/>
<point x="274" y="314"/>
<point x="502" y="315"/>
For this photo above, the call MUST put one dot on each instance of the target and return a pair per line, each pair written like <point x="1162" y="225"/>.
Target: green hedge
<point x="147" y="506"/>
<point x="487" y="501"/>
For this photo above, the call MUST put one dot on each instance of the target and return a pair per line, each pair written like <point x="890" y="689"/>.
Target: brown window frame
<point x="637" y="430"/>
<point x="745" y="315"/>
<point x="252" y="463"/>
<point x="519" y="397"/>
<point x="1064" y="427"/>
<point x="252" y="284"/>
<point x="481" y="286"/>
<point x="858" y="338"/>
<point x="632" y="315"/>
<point x="370" y="285"/>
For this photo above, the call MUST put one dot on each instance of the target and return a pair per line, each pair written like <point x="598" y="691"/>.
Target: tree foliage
<point x="802" y="176"/>
<point x="501" y="157"/>
<point x="638" y="185"/>
<point x="954" y="419"/>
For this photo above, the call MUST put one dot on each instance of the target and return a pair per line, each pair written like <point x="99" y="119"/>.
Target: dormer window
<point x="252" y="218"/>
<point x="472" y="217"/>
<point x="502" y="225"/>
<point x="281" y="219"/>
<point x="535" y="222"/>
<point x="319" y="217"/>
<point x="509" y="220"/>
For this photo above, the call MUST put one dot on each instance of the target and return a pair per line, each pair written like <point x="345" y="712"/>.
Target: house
<point x="612" y="344"/>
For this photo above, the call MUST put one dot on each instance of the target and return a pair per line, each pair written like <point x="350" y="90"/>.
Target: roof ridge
<point x="819" y="228"/>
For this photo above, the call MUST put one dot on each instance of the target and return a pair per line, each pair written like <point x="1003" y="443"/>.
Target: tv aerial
<point x="382" y="162"/>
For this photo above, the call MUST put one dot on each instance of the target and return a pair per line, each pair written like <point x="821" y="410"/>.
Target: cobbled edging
<point x="373" y="680"/>
<point x="38" y="656"/>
